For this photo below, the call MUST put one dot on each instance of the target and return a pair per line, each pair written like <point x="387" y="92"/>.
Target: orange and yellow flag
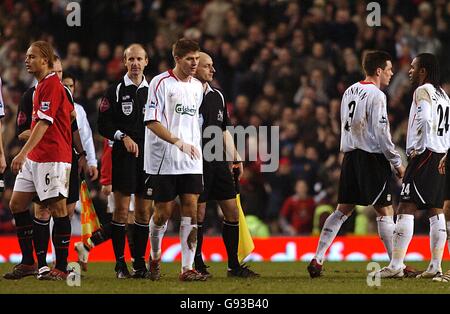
<point x="89" y="219"/>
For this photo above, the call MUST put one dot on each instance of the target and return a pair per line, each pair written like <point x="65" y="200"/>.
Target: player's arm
<point x="2" y="152"/>
<point x="87" y="142"/>
<point x="423" y="117"/>
<point x="383" y="134"/>
<point x="164" y="134"/>
<point x="35" y="137"/>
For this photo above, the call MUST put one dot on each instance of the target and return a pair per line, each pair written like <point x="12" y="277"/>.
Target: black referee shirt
<point x="213" y="111"/>
<point x="122" y="109"/>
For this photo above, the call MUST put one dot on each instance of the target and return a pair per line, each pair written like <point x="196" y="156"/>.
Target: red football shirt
<point x="50" y="103"/>
<point x="106" y="170"/>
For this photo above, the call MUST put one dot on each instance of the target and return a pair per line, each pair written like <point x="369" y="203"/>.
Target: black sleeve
<point x="226" y="118"/>
<point x="24" y="112"/>
<point x="106" y="125"/>
<point x="74" y="125"/>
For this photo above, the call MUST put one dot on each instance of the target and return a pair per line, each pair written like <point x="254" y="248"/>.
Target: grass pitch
<point x="277" y="278"/>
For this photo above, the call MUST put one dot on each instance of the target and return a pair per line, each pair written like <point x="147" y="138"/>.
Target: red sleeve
<point x="50" y="98"/>
<point x="106" y="169"/>
<point x="285" y="210"/>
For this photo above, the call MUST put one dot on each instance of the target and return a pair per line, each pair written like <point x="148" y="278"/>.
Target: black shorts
<point x="218" y="180"/>
<point x="128" y="176"/>
<point x="74" y="181"/>
<point x="422" y="183"/>
<point x="365" y="179"/>
<point x="166" y="187"/>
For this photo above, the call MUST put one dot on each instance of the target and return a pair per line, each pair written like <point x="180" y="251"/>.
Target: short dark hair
<point x="430" y="63"/>
<point x="69" y="75"/>
<point x="374" y="60"/>
<point x="184" y="46"/>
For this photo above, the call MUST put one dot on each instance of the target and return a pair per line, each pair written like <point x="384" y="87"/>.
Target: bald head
<point x="205" y="71"/>
<point x="135" y="58"/>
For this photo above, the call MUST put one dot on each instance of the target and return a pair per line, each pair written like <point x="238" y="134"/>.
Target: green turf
<point x="345" y="277"/>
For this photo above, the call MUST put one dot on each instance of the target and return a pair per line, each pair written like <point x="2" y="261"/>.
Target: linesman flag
<point x="246" y="245"/>
<point x="89" y="219"/>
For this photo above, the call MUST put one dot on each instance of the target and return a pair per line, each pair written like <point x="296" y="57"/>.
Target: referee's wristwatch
<point x="83" y="153"/>
<point x="122" y="136"/>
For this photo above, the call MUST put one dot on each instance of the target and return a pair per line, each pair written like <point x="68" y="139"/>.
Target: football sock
<point x="118" y="240"/>
<point x="230" y="234"/>
<point x="41" y="236"/>
<point x="140" y="236"/>
<point x="198" y="259"/>
<point x="24" y="228"/>
<point x="404" y="229"/>
<point x="329" y="231"/>
<point x="129" y="229"/>
<point x="101" y="235"/>
<point x="61" y="240"/>
<point x="386" y="228"/>
<point x="188" y="239"/>
<point x="156" y="236"/>
<point x="438" y="235"/>
<point x="448" y="235"/>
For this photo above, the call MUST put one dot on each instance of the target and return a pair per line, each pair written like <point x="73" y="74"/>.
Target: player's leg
<point x="61" y="234"/>
<point x="230" y="234"/>
<point x="118" y="223"/>
<point x="386" y="226"/>
<point x="198" y="259"/>
<point x="447" y="219"/>
<point x="158" y="226"/>
<point x="24" y="225"/>
<point x="130" y="228"/>
<point x="438" y="236"/>
<point x="329" y="231"/>
<point x="403" y="232"/>
<point x="188" y="237"/>
<point x="41" y="237"/>
<point x="141" y="234"/>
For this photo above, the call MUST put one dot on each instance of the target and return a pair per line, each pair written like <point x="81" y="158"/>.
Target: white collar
<point x="208" y="89"/>
<point x="129" y="82"/>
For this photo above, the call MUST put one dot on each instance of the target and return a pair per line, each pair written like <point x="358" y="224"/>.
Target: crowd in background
<point x="279" y="63"/>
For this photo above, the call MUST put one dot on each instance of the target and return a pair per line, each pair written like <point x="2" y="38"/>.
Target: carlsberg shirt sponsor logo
<point x="179" y="108"/>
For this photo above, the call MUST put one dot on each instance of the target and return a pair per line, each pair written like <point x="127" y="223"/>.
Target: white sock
<point x="386" y="228"/>
<point x="156" y="235"/>
<point x="329" y="231"/>
<point x="404" y="229"/>
<point x="187" y="254"/>
<point x="448" y="235"/>
<point x="438" y="235"/>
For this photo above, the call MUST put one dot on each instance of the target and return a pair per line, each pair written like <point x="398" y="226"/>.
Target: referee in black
<point x="217" y="174"/>
<point x="121" y="119"/>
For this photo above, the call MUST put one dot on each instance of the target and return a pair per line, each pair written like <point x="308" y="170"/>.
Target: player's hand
<point x="18" y="162"/>
<point x="400" y="171"/>
<point x="82" y="164"/>
<point x="441" y="166"/>
<point x="240" y="166"/>
<point x="131" y="146"/>
<point x="93" y="173"/>
<point x="106" y="189"/>
<point x="188" y="149"/>
<point x="2" y="163"/>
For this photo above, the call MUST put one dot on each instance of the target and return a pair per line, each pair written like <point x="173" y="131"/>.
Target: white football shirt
<point x="428" y="124"/>
<point x="364" y="122"/>
<point x="175" y="104"/>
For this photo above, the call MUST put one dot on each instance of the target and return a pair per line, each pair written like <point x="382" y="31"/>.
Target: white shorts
<point x="112" y="205"/>
<point x="47" y="179"/>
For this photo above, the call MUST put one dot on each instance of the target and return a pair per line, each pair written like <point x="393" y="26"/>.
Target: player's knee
<point x="42" y="213"/>
<point x="15" y="206"/>
<point x="142" y="217"/>
<point x="120" y="215"/>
